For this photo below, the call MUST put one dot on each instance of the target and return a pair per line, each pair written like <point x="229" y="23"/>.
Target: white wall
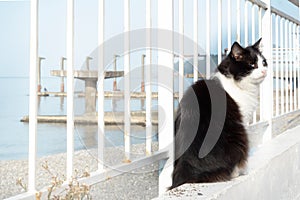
<point x="274" y="173"/>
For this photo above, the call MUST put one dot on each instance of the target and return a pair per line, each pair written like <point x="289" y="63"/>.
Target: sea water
<point x="51" y="137"/>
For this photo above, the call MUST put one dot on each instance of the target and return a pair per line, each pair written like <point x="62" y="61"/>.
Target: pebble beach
<point x="139" y="184"/>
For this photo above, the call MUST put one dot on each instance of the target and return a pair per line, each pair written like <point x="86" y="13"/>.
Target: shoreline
<point x="138" y="184"/>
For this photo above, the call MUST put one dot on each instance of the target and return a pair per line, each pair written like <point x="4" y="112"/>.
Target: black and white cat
<point x="211" y="142"/>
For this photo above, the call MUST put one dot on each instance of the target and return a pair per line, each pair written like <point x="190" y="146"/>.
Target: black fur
<point x="231" y="148"/>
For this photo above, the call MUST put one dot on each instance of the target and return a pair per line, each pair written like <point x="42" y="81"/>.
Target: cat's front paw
<point x="239" y="172"/>
<point x="236" y="172"/>
<point x="244" y="171"/>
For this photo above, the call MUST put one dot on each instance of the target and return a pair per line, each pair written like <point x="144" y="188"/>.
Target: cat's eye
<point x="264" y="62"/>
<point x="254" y="65"/>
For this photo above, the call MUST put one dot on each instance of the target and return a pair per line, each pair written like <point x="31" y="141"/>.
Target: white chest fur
<point x="243" y="92"/>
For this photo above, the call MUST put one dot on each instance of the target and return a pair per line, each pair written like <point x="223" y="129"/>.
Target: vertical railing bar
<point x="253" y="23"/>
<point x="286" y="67"/>
<point x="229" y="24"/>
<point x="195" y="35"/>
<point x="32" y="146"/>
<point x="294" y="65"/>
<point x="238" y="21"/>
<point x="298" y="64"/>
<point x="282" y="101"/>
<point x="253" y="41"/>
<point x="219" y="31"/>
<point x="70" y="87"/>
<point x="290" y="67"/>
<point x="127" y="114"/>
<point x="101" y="74"/>
<point x="276" y="65"/>
<point x="246" y="22"/>
<point x="166" y="89"/>
<point x="266" y="96"/>
<point x="260" y="19"/>
<point x="148" y="79"/>
<point x="296" y="101"/>
<point x="207" y="39"/>
<point x="181" y="48"/>
<point x="261" y="86"/>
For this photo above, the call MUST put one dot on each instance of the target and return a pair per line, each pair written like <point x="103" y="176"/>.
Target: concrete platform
<point x="90" y="78"/>
<point x="107" y="94"/>
<point x="274" y="173"/>
<point x="86" y="74"/>
<point x="110" y="118"/>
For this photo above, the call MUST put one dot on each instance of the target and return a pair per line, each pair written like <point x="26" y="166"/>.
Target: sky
<point x="15" y="26"/>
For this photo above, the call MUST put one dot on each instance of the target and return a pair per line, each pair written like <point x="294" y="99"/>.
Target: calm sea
<point x="14" y="104"/>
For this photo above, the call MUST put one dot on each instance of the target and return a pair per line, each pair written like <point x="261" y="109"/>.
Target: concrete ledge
<point x="274" y="173"/>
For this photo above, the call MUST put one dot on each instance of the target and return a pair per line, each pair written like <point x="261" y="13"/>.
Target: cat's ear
<point x="237" y="51"/>
<point x="257" y="45"/>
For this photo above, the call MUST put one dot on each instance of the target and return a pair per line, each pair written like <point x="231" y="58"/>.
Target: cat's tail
<point x="182" y="174"/>
<point x="187" y="174"/>
<point x="175" y="184"/>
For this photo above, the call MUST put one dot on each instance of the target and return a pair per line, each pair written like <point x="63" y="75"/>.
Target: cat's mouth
<point x="261" y="78"/>
<point x="260" y="74"/>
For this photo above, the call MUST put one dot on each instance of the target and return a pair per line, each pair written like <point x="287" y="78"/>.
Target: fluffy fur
<point x="236" y="83"/>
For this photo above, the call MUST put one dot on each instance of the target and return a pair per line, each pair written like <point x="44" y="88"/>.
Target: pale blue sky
<point x="14" y="26"/>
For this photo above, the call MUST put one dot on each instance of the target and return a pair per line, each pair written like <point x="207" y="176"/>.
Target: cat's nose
<point x="264" y="71"/>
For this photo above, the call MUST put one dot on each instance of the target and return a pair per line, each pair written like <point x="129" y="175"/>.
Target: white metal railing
<point x="208" y="39"/>
<point x="253" y="17"/>
<point x="70" y="88"/>
<point x="100" y="88"/>
<point x="33" y="95"/>
<point x="148" y="88"/>
<point x="286" y="62"/>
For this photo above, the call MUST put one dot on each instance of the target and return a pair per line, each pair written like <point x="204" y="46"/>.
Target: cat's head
<point x="244" y="63"/>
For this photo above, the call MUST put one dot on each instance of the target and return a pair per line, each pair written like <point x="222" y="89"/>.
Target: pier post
<point x="115" y="87"/>
<point x="90" y="96"/>
<point x="62" y="84"/>
<point x="87" y="61"/>
<point x="143" y="80"/>
<point x="39" y="87"/>
<point x="143" y="74"/>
